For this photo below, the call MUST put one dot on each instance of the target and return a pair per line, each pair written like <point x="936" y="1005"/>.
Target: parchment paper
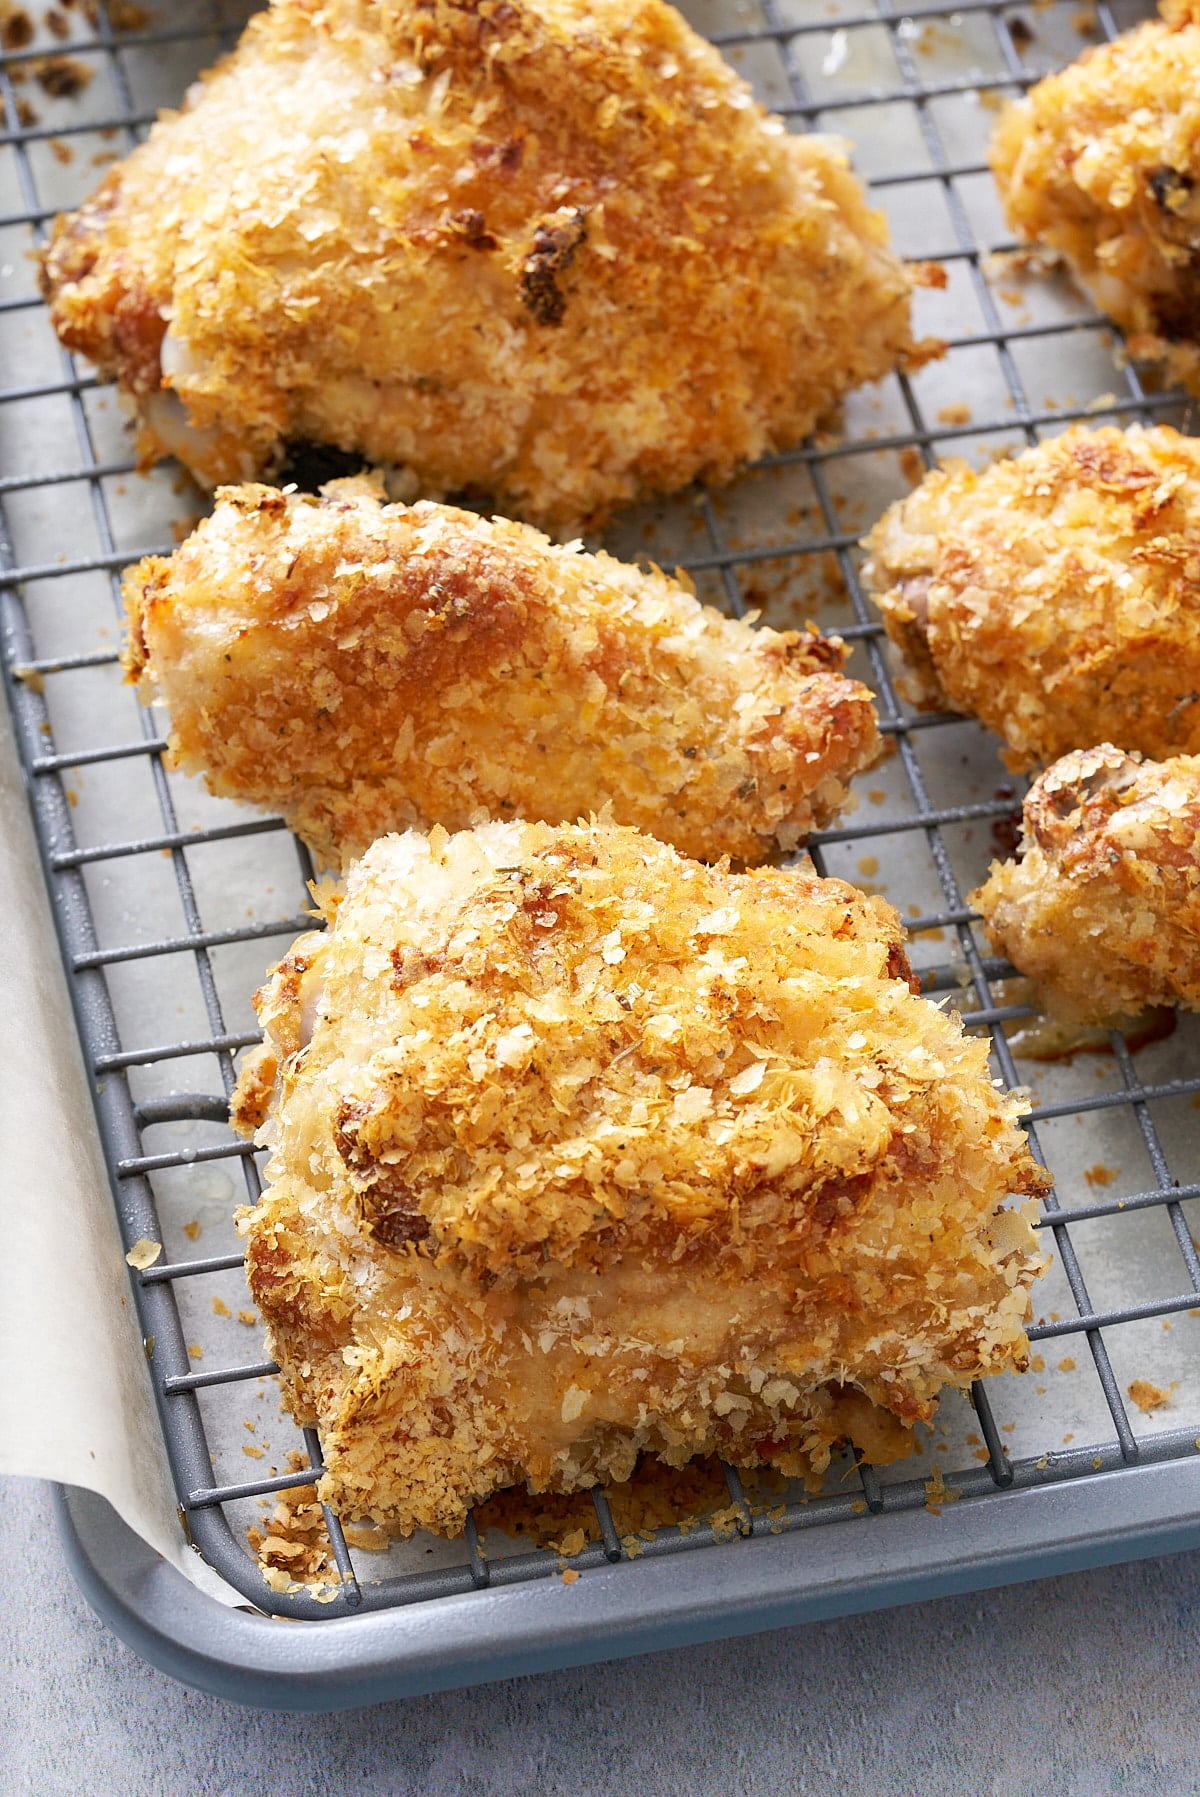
<point x="75" y="1401"/>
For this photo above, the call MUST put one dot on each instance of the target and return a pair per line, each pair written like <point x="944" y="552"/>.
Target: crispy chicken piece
<point x="1056" y="596"/>
<point x="547" y="251"/>
<point x="580" y="1148"/>
<point x="361" y="667"/>
<point x="1102" y="163"/>
<point x="1102" y="911"/>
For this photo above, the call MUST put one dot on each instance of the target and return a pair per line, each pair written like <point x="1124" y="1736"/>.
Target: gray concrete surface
<point x="1087" y="1686"/>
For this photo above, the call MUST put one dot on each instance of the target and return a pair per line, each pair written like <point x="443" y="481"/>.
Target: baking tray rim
<point x="618" y="1609"/>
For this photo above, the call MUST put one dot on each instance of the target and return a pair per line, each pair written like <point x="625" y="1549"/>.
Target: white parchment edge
<point x="75" y="1400"/>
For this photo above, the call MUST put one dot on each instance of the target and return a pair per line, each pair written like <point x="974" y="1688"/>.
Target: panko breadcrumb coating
<point x="1102" y="911"/>
<point x="361" y="667"/>
<point x="1102" y="163"/>
<point x="580" y="1148"/>
<point x="1057" y="595"/>
<point x="547" y="251"/>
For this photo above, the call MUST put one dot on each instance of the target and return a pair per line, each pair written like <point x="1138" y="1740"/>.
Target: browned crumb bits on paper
<point x="62" y="77"/>
<point x="912" y="464"/>
<point x="569" y="1575"/>
<point x="220" y="1308"/>
<point x="27" y="117"/>
<point x="929" y="275"/>
<point x="1148" y="1396"/>
<point x="143" y="1254"/>
<point x="16" y="26"/>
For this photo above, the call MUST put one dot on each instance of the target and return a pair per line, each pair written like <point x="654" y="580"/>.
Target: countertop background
<point x="1081" y="1686"/>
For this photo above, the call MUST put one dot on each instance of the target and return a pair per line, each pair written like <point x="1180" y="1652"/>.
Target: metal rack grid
<point x="794" y="59"/>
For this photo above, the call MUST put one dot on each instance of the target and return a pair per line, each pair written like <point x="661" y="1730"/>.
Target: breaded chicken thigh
<point x="1057" y="595"/>
<point x="1102" y="163"/>
<point x="1102" y="911"/>
<point x="361" y="667"/>
<point x="580" y="1149"/>
<point x="550" y="252"/>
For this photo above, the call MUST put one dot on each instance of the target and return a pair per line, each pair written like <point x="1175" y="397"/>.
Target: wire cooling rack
<point x="170" y="905"/>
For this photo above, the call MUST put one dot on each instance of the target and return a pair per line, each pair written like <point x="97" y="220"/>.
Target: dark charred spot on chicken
<point x="897" y="968"/>
<point x="461" y="29"/>
<point x="349" y="1117"/>
<point x="1177" y="314"/>
<point x="1171" y="188"/>
<point x="471" y="226"/>
<point x="309" y="465"/>
<point x="502" y="158"/>
<point x="392" y="1212"/>
<point x="1177" y="308"/>
<point x="390" y="1208"/>
<point x="554" y="245"/>
<point x="1113" y="467"/>
<point x="810" y="645"/>
<point x="409" y="965"/>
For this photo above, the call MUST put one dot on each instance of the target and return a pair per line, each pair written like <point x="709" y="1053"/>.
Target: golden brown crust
<point x="1102" y="163"/>
<point x="1102" y="910"/>
<point x="548" y="251"/>
<point x="252" y="1096"/>
<point x="583" y="1149"/>
<point x="1057" y="595"/>
<point x="361" y="667"/>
